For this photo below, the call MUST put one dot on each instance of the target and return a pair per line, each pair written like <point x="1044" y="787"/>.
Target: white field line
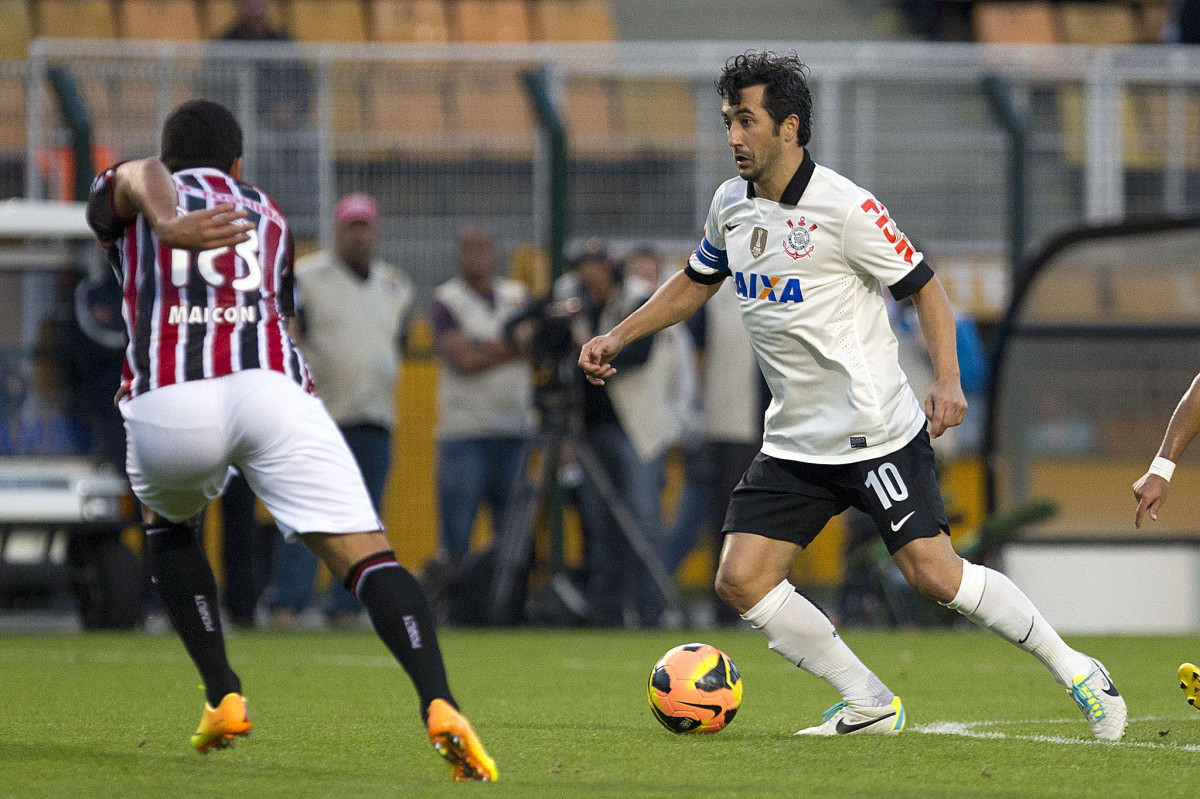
<point x="971" y="729"/>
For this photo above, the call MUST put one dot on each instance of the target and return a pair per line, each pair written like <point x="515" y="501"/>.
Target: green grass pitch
<point x="565" y="714"/>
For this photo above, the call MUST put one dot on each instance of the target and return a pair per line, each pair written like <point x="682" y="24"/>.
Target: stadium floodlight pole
<point x="75" y="116"/>
<point x="1016" y="124"/>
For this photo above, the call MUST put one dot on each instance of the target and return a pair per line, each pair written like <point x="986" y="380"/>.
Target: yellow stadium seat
<point x="408" y="21"/>
<point x="588" y="107"/>
<point x="1099" y="23"/>
<point x="658" y="108"/>
<point x="12" y="121"/>
<point x="490" y="113"/>
<point x="327" y="20"/>
<point x="16" y="29"/>
<point x="489" y="21"/>
<point x="397" y="107"/>
<point x="158" y="19"/>
<point x="1014" y="23"/>
<point x="217" y="16"/>
<point x="573" y="21"/>
<point x="74" y="19"/>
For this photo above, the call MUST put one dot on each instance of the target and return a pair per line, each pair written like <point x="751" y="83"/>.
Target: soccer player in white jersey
<point x="212" y="380"/>
<point x="1151" y="492"/>
<point x="810" y="254"/>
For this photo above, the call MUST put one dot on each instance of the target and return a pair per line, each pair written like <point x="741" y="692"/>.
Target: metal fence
<point x="444" y="134"/>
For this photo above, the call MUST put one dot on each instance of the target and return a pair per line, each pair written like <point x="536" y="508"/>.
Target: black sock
<point x="185" y="581"/>
<point x="402" y="618"/>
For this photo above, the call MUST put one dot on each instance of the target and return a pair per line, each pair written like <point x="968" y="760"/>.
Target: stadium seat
<point x="12" y="118"/>
<point x="489" y="21"/>
<point x="590" y="115"/>
<point x="408" y="21"/>
<point x="400" y="107"/>
<point x="326" y="20"/>
<point x="16" y="29"/>
<point x="658" y="108"/>
<point x="1098" y="23"/>
<point x="573" y="21"/>
<point x="158" y="19"/>
<point x="1014" y="23"/>
<point x="74" y="19"/>
<point x="217" y="16"/>
<point x="494" y="109"/>
<point x="1155" y="295"/>
<point x="349" y="105"/>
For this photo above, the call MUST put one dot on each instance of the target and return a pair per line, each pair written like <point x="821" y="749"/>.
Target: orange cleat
<point x="220" y="725"/>
<point x="455" y="740"/>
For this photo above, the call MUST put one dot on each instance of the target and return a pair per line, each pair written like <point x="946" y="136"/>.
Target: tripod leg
<point x="630" y="529"/>
<point x="515" y="535"/>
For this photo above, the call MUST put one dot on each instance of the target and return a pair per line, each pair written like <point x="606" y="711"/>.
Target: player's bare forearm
<point x="937" y="324"/>
<point x="946" y="405"/>
<point x="676" y="299"/>
<point x="1184" y="424"/>
<point x="145" y="187"/>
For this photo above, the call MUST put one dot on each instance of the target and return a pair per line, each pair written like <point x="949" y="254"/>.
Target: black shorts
<point x="793" y="501"/>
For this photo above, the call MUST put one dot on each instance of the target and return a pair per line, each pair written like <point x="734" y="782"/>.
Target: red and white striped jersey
<point x="194" y="316"/>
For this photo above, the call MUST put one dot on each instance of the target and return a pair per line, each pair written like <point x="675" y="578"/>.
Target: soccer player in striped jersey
<point x="212" y="381"/>
<point x="810" y="254"/>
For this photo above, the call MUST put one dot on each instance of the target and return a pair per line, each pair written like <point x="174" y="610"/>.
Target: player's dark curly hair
<point x="201" y="133"/>
<point x="786" y="87"/>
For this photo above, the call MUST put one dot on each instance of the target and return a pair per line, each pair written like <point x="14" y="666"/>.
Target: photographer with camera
<point x="627" y="423"/>
<point x="485" y="410"/>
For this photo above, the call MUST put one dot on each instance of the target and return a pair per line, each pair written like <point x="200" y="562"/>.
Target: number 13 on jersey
<point x="206" y="263"/>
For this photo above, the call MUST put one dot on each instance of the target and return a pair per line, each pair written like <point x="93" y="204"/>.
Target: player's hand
<point x="122" y="393"/>
<point x="1151" y="493"/>
<point x="209" y="229"/>
<point x="595" y="359"/>
<point x="945" y="406"/>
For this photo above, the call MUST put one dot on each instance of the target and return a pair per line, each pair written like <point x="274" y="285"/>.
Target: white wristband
<point x="1163" y="468"/>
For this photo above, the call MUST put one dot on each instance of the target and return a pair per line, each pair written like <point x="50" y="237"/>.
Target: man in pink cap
<point x="351" y="311"/>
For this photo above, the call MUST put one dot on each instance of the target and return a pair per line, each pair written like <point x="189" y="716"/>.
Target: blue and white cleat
<point x="1101" y="703"/>
<point x="844" y="719"/>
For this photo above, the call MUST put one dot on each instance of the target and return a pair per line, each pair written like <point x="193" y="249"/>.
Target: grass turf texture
<point x="565" y="714"/>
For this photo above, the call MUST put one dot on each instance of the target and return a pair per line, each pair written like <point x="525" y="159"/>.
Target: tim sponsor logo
<point x="197" y="315"/>
<point x="753" y="286"/>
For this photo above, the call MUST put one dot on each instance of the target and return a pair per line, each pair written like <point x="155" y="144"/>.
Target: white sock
<point x="801" y="633"/>
<point x="991" y="600"/>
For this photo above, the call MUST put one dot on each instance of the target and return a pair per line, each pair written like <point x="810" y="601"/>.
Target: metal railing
<point x="444" y="134"/>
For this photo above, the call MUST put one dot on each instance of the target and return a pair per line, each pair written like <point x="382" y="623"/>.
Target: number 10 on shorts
<point x="887" y="484"/>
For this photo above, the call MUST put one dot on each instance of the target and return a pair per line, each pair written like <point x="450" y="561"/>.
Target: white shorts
<point x="183" y="438"/>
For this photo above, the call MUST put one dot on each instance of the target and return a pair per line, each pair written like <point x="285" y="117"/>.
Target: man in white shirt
<point x="810" y="253"/>
<point x="351" y="313"/>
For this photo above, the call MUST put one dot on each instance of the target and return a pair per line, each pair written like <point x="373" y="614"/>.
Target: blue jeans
<point x="296" y="565"/>
<point x="469" y="471"/>
<point x="616" y="578"/>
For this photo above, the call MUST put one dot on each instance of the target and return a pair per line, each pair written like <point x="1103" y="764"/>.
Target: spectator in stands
<point x="484" y="402"/>
<point x="351" y="313"/>
<point x="285" y="144"/>
<point x="625" y="423"/>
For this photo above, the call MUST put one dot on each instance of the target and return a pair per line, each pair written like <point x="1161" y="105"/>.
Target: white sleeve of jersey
<point x="709" y="261"/>
<point x="872" y="243"/>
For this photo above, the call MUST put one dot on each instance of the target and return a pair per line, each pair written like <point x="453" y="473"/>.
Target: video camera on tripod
<point x="547" y="327"/>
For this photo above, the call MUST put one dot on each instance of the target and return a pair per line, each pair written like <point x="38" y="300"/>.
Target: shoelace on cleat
<point x="833" y="711"/>
<point x="1087" y="700"/>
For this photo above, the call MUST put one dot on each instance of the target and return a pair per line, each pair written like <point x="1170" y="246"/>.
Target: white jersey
<point x="809" y="272"/>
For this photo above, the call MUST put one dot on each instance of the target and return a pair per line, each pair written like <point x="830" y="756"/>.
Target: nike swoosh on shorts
<point x="897" y="525"/>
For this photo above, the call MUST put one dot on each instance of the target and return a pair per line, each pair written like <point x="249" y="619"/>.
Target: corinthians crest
<point x="798" y="242"/>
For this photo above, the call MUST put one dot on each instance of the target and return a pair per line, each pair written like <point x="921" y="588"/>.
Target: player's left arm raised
<point x="946" y="405"/>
